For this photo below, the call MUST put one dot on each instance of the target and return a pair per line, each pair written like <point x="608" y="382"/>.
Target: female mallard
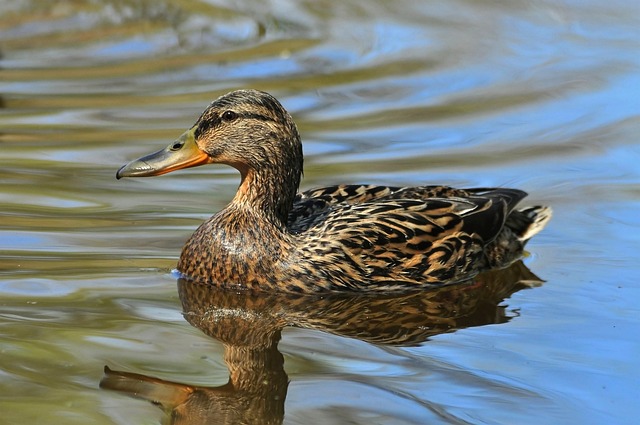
<point x="346" y="237"/>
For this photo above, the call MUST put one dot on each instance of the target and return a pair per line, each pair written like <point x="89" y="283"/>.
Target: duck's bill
<point x="183" y="153"/>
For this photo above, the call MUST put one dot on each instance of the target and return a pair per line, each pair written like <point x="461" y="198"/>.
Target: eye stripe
<point x="255" y="116"/>
<point x="205" y="125"/>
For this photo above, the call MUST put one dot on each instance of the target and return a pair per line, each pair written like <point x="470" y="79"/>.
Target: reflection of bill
<point x="249" y="325"/>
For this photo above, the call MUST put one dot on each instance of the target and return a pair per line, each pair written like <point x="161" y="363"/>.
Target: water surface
<point x="537" y="95"/>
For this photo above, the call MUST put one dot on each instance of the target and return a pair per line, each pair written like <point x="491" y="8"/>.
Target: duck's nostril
<point x="177" y="145"/>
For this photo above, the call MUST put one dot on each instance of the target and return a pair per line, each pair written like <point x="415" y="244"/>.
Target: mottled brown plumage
<point x="347" y="237"/>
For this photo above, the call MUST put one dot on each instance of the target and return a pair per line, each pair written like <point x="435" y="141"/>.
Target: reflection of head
<point x="255" y="393"/>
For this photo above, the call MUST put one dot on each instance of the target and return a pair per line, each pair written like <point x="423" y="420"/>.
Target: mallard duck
<point x="343" y="237"/>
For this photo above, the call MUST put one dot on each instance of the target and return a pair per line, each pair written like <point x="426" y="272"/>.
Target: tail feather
<point x="529" y="221"/>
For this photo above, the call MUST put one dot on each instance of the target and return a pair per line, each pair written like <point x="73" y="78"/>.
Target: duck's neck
<point x="268" y="192"/>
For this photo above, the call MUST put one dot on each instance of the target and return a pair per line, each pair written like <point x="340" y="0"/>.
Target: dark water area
<point x="537" y="95"/>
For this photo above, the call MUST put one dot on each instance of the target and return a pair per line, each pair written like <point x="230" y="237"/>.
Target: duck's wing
<point x="404" y="241"/>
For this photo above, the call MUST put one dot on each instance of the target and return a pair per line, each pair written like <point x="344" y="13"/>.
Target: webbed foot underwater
<point x="344" y="237"/>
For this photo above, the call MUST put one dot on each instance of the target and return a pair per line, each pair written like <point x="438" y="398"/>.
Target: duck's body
<point x="344" y="237"/>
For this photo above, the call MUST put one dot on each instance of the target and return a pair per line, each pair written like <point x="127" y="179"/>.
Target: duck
<point x="344" y="237"/>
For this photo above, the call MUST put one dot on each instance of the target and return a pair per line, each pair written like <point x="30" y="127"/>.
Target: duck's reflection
<point x="249" y="325"/>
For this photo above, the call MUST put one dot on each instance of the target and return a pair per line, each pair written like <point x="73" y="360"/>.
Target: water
<point x="537" y="95"/>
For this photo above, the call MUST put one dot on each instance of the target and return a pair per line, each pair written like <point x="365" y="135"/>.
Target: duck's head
<point x="247" y="129"/>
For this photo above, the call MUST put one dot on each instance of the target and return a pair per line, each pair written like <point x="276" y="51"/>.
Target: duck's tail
<point x="527" y="222"/>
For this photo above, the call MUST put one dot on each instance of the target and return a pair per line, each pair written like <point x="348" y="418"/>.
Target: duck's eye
<point x="229" y="116"/>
